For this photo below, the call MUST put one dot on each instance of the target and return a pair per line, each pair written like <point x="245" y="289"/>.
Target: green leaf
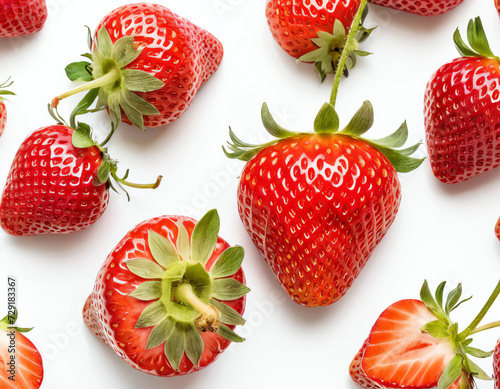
<point x="228" y="289"/>
<point x="149" y="290"/>
<point x="124" y="52"/>
<point x="361" y="122"/>
<point x="453" y="298"/>
<point x="79" y="71"/>
<point x="436" y="329"/>
<point x="162" y="331"/>
<point x="193" y="343"/>
<point x="327" y="120"/>
<point x="396" y="139"/>
<point x="478" y="373"/>
<point x="205" y="236"/>
<point x="145" y="268"/>
<point x="439" y="293"/>
<point x="162" y="249"/>
<point x="477" y="38"/>
<point x="103" y="171"/>
<point x="83" y="106"/>
<point x="229" y="334"/>
<point x="426" y="297"/>
<point x="228" y="263"/>
<point x="401" y="162"/>
<point x="183" y="245"/>
<point x="227" y="314"/>
<point x="462" y="48"/>
<point x="475" y="352"/>
<point x="140" y="81"/>
<point x="451" y="372"/>
<point x="104" y="44"/>
<point x="152" y="315"/>
<point x="271" y="126"/>
<point x="174" y="347"/>
<point x="81" y="137"/>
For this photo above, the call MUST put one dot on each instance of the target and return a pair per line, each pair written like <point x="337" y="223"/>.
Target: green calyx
<point x="7" y="323"/>
<point x="185" y="298"/>
<point x="330" y="47"/>
<point x="3" y="89"/>
<point x="115" y="85"/>
<point x="479" y="46"/>
<point x="327" y="122"/>
<point x="443" y="327"/>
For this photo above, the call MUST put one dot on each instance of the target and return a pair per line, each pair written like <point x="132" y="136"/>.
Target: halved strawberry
<point x="414" y="344"/>
<point x="21" y="365"/>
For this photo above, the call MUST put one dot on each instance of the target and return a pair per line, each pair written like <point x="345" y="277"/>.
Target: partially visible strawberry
<point x="420" y="7"/>
<point x="58" y="183"/>
<point x="314" y="31"/>
<point x="415" y="344"/>
<point x="462" y="120"/>
<point x="168" y="297"/>
<point x="496" y="365"/>
<point x="497" y="5"/>
<point x="147" y="63"/>
<point x="21" y="17"/>
<point x="21" y="365"/>
<point x="3" y="109"/>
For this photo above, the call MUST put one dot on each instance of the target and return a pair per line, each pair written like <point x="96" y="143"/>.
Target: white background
<point x="441" y="232"/>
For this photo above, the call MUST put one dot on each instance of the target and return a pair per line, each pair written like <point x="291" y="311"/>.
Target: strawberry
<point x="462" y="122"/>
<point x="497" y="5"/>
<point x="21" y="365"/>
<point x="58" y="183"/>
<point x="496" y="365"/>
<point x="3" y="109"/>
<point x="420" y="7"/>
<point x="167" y="298"/>
<point x="159" y="58"/>
<point x="21" y="17"/>
<point x="415" y="344"/>
<point x="314" y="31"/>
<point x="317" y="204"/>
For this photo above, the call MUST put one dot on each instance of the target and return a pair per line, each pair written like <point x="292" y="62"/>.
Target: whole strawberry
<point x="496" y="365"/>
<point x="314" y="31"/>
<point x="420" y="7"/>
<point x="415" y="344"/>
<point x="168" y="296"/>
<point x="21" y="365"/>
<point x="317" y="204"/>
<point x="462" y="121"/>
<point x="159" y="58"/>
<point x="21" y="17"/>
<point x="58" y="183"/>
<point x="3" y="109"/>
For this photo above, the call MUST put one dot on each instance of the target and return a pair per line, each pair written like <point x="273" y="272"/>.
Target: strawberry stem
<point x="209" y="318"/>
<point x="472" y="326"/>
<point x="107" y="79"/>
<point x="122" y="181"/>
<point x="486" y="327"/>
<point x="350" y="45"/>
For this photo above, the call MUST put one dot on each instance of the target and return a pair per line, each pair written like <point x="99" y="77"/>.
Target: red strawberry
<point x="420" y="7"/>
<point x="21" y="17"/>
<point x="161" y="59"/>
<point x="21" y="365"/>
<point x="317" y="204"/>
<point x="497" y="5"/>
<point x="314" y="30"/>
<point x="496" y="365"/>
<point x="415" y="344"/>
<point x="168" y="296"/>
<point x="461" y="117"/>
<point x="3" y="109"/>
<point x="58" y="183"/>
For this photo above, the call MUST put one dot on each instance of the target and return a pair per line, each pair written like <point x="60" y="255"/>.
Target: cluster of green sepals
<point x="443" y="327"/>
<point x="110" y="83"/>
<point x="330" y="47"/>
<point x="7" y="323"/>
<point x="479" y="46"/>
<point x="4" y="91"/>
<point x="180" y="288"/>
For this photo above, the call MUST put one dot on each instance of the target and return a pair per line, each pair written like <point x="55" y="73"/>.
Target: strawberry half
<point x="315" y="31"/>
<point x="3" y="109"/>
<point x="167" y="298"/>
<point x="21" y="17"/>
<point x="147" y="64"/>
<point x="415" y="344"/>
<point x="420" y="7"/>
<point x="58" y="183"/>
<point x="462" y="122"/>
<point x="317" y="204"/>
<point x="21" y="365"/>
